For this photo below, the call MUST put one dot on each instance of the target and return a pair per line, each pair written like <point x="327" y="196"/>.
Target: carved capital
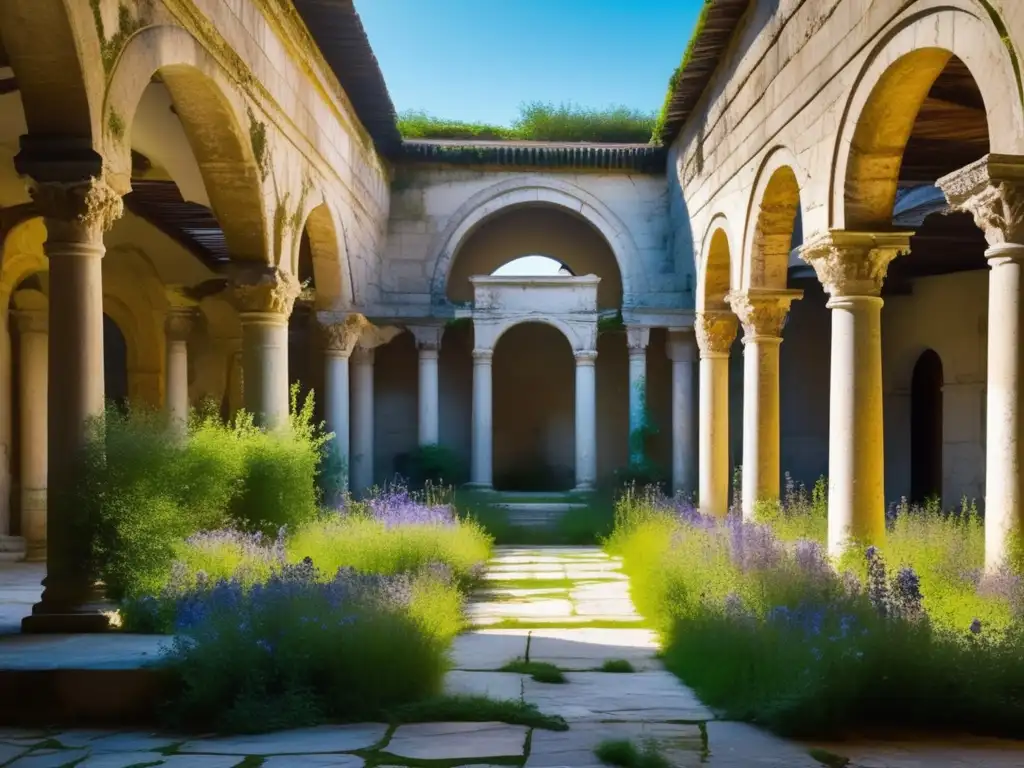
<point x="179" y="323"/>
<point x="992" y="191"/>
<point x="269" y="291"/>
<point x="854" y="263"/>
<point x="681" y="346"/>
<point x="341" y="332"/>
<point x="637" y="338"/>
<point x="715" y="331"/>
<point x="77" y="212"/>
<point x="31" y="311"/>
<point x="761" y="312"/>
<point x="483" y="356"/>
<point x="428" y="337"/>
<point x="586" y="357"/>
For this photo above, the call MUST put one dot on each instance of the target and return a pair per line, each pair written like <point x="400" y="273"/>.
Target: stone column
<point x="483" y="420"/>
<point x="992" y="190"/>
<point x="851" y="266"/>
<point x="715" y="331"/>
<point x="428" y="343"/>
<point x="586" y="420"/>
<point x="361" y="468"/>
<point x="340" y="334"/>
<point x="264" y="299"/>
<point x="31" y="318"/>
<point x="177" y="328"/>
<point x="682" y="351"/>
<point x="636" y="341"/>
<point x="76" y="217"/>
<point x="762" y="313"/>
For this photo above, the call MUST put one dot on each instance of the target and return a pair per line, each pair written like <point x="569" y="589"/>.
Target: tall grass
<point x="765" y="627"/>
<point x="538" y="121"/>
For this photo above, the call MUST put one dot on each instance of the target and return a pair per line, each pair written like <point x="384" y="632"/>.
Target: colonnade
<point x="851" y="266"/>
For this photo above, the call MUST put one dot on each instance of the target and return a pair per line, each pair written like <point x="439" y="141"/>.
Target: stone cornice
<point x="853" y="263"/>
<point x="715" y="331"/>
<point x="992" y="191"/>
<point x="762" y="312"/>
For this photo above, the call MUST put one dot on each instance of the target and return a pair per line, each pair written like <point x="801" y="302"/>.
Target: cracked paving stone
<point x="682" y="744"/>
<point x="49" y="758"/>
<point x="314" y="761"/>
<point x="457" y="741"/>
<point x="326" y="738"/>
<point x="120" y="759"/>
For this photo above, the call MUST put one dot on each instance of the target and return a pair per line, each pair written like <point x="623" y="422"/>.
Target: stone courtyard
<point x="647" y="704"/>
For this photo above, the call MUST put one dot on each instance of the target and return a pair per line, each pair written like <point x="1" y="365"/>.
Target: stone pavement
<point x="570" y="608"/>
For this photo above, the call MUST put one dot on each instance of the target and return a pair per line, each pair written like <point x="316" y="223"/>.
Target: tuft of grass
<point x="538" y="121"/>
<point x="673" y="80"/>
<point x="617" y="666"/>
<point x="625" y="754"/>
<point x="829" y="759"/>
<point x="541" y="671"/>
<point x="476" y="709"/>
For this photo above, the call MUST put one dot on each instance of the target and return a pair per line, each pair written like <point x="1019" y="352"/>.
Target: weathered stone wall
<point x="428" y="207"/>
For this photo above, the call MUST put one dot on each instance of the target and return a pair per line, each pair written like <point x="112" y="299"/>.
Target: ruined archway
<point x="534" y="402"/>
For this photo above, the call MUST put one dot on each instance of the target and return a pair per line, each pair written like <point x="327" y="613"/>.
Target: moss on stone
<point x="258" y="139"/>
<point x="673" y="81"/>
<point x="127" y="25"/>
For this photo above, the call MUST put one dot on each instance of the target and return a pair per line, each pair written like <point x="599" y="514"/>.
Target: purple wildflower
<point x="753" y="546"/>
<point x="976" y="627"/>
<point x="878" y="585"/>
<point x="906" y="594"/>
<point x="396" y="506"/>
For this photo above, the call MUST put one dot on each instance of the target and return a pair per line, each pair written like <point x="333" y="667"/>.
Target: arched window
<point x="115" y="365"/>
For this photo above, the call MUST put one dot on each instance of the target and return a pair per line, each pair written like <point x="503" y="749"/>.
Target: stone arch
<point x="22" y="256"/>
<point x="887" y="96"/>
<point x="329" y="256"/>
<point x="232" y="161"/>
<point x="132" y="305"/>
<point x="571" y="337"/>
<point x="54" y="50"/>
<point x="771" y="215"/>
<point x="533" y="190"/>
<point x="714" y="275"/>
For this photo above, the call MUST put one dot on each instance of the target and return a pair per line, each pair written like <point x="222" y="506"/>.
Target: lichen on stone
<point x="115" y="124"/>
<point x="127" y="25"/>
<point x="258" y="139"/>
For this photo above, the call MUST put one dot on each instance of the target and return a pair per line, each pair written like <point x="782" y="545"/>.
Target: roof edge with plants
<point x="715" y="27"/>
<point x="636" y="158"/>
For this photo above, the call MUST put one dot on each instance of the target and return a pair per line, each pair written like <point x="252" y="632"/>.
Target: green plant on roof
<point x="673" y="81"/>
<point x="538" y="121"/>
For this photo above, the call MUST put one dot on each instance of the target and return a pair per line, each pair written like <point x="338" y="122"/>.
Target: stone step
<point x="535" y="514"/>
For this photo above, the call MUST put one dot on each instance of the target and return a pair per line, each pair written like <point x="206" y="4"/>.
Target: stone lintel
<point x="715" y="331"/>
<point x="853" y="263"/>
<point x="681" y="346"/>
<point x="762" y="311"/>
<point x="992" y="191"/>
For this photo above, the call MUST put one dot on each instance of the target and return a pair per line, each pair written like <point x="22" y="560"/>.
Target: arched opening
<point x="926" y="428"/>
<point x="534" y="266"/>
<point x="715" y="277"/>
<point x="115" y="365"/>
<point x="522" y="235"/>
<point x="534" y="410"/>
<point x="774" y="230"/>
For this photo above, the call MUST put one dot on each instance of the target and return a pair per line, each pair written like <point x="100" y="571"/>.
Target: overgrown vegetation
<point x="625" y="754"/>
<point x="617" y="666"/>
<point x="285" y="612"/>
<point x="539" y="122"/>
<point x="673" y="80"/>
<point x="584" y="525"/>
<point x="431" y="465"/>
<point x="755" y="617"/>
<point x="541" y="671"/>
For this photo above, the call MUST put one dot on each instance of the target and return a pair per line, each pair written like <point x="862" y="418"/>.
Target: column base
<point x="479" y="486"/>
<point x="74" y="610"/>
<point x="586" y="487"/>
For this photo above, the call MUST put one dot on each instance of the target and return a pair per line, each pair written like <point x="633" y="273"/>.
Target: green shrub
<point x="299" y="650"/>
<point x="431" y="465"/>
<point x="767" y="630"/>
<point x="281" y="470"/>
<point x="539" y="122"/>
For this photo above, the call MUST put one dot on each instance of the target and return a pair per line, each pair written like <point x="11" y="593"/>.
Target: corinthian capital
<point x="341" y="331"/>
<point x="80" y="211"/>
<point x="715" y="331"/>
<point x="762" y="312"/>
<point x="992" y="191"/>
<point x="854" y="263"/>
<point x="265" y="291"/>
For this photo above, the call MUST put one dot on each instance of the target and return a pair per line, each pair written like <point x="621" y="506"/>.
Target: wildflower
<point x="878" y="587"/>
<point x="976" y="627"/>
<point x="906" y="594"/>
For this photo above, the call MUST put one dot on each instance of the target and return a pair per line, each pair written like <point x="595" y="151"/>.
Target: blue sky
<point x="478" y="60"/>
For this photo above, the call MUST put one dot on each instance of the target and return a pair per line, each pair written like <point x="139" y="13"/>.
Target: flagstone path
<point x="568" y="607"/>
